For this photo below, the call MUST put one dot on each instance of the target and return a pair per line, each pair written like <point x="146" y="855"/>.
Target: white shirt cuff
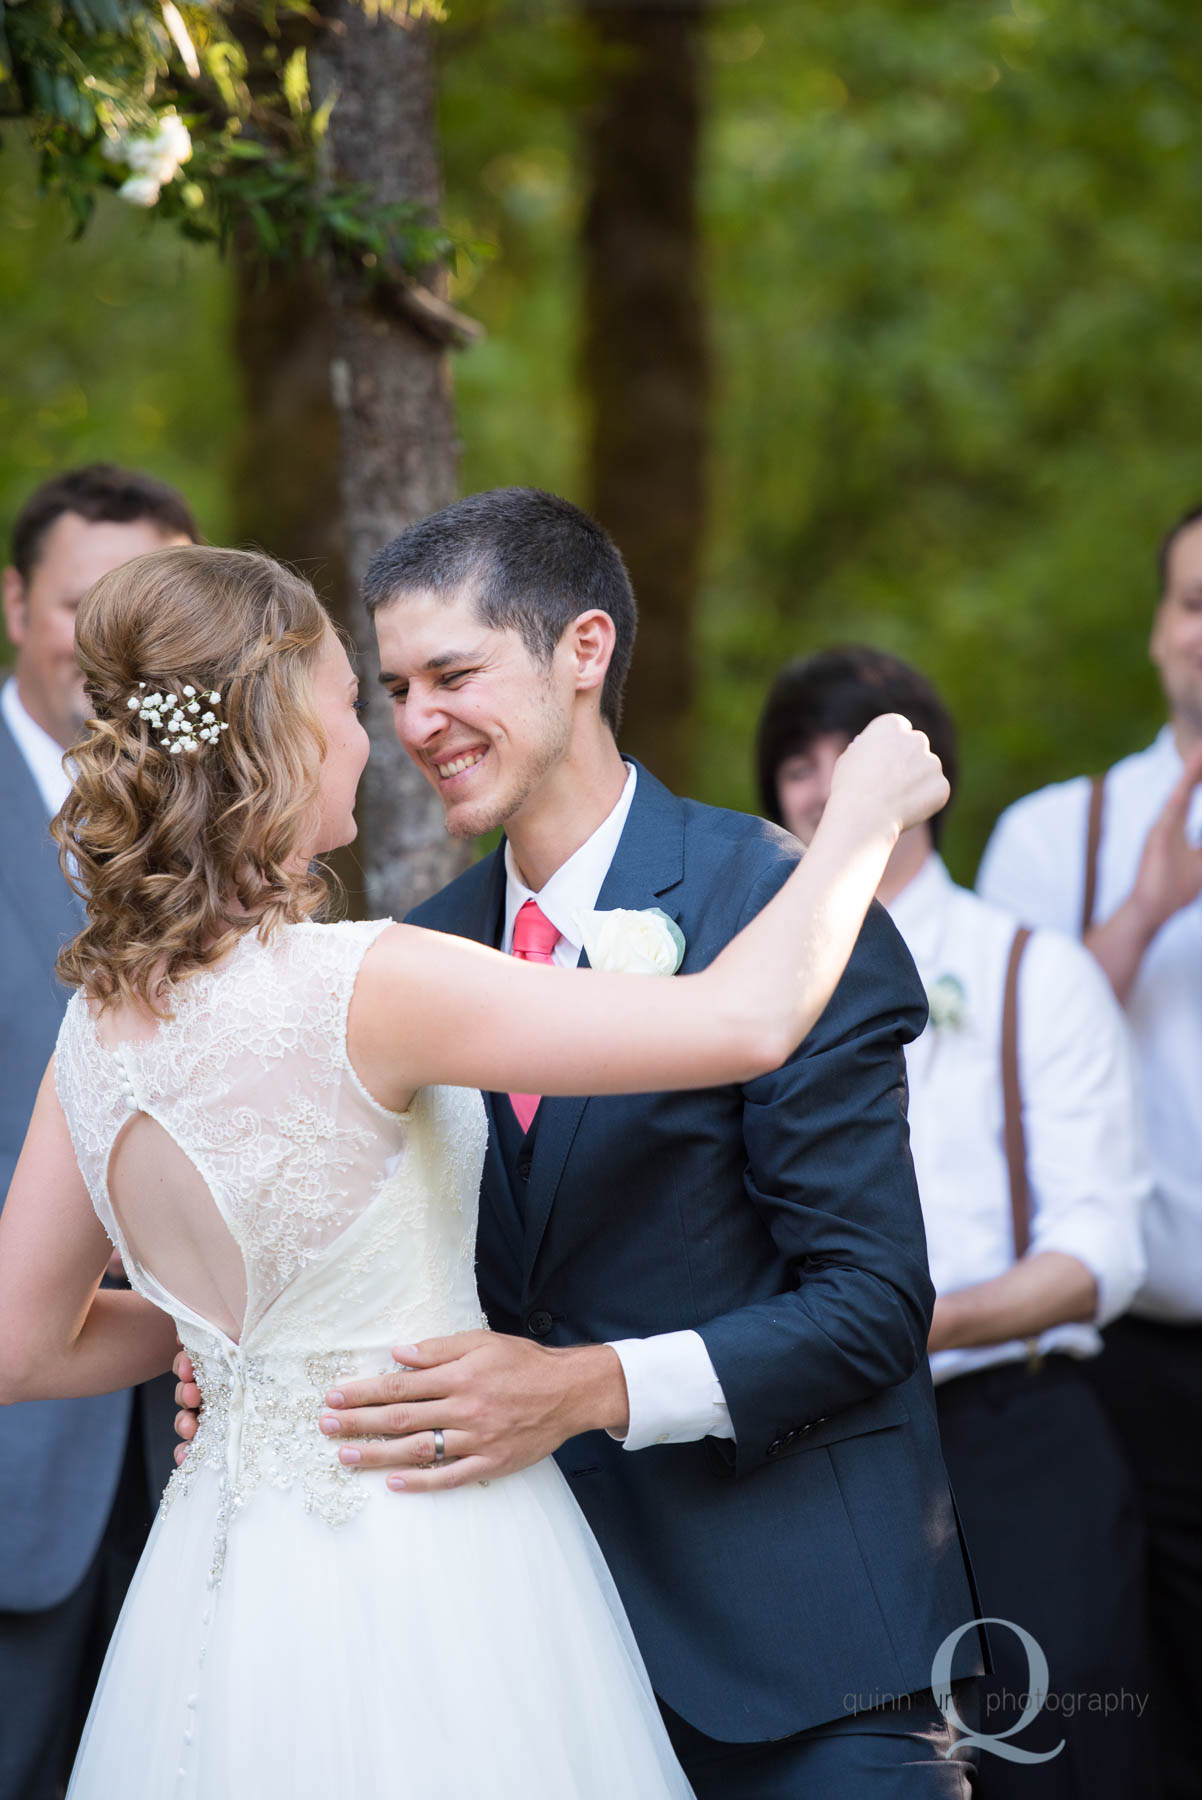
<point x="1117" y="1268"/>
<point x="674" y="1393"/>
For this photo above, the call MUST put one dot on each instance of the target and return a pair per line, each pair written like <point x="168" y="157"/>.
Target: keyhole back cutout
<point x="172" y="1225"/>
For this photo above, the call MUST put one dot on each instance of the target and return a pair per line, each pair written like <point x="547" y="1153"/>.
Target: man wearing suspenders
<point x="1025" y="1143"/>
<point x="1117" y="861"/>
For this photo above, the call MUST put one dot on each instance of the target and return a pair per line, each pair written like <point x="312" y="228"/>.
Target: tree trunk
<point x="391" y="388"/>
<point x="285" y="467"/>
<point x="286" y="458"/>
<point x="644" y="359"/>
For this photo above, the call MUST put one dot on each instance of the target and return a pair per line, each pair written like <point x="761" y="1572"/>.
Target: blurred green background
<point x="954" y="281"/>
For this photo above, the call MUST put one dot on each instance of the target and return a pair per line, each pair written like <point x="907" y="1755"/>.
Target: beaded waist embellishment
<point x="258" y="1428"/>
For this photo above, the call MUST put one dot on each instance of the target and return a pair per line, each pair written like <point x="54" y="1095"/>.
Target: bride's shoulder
<point x="340" y="943"/>
<point x="76" y="1023"/>
<point x="336" y="930"/>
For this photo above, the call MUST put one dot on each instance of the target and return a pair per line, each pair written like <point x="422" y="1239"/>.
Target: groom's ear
<point x="590" y="641"/>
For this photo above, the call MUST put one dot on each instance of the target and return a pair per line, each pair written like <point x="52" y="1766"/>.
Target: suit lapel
<point x="491" y="917"/>
<point x="648" y="864"/>
<point x="29" y="870"/>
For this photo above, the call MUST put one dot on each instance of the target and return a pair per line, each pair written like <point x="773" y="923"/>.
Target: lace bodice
<point x="355" y="1226"/>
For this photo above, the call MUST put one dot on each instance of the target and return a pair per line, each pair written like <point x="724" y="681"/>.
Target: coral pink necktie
<point x="534" y="941"/>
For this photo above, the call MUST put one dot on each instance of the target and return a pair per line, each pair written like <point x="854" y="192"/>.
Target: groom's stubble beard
<point x="494" y="811"/>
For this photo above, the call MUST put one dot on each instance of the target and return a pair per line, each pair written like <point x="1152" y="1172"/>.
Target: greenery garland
<point x="202" y="114"/>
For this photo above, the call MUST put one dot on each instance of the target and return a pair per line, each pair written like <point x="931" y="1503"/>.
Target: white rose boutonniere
<point x="624" y="942"/>
<point x="948" y="1003"/>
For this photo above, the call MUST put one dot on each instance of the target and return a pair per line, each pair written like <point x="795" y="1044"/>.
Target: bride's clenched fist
<point x="891" y="770"/>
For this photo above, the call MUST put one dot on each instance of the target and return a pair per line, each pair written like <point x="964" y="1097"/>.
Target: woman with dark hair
<point x="276" y="1122"/>
<point x="827" y="699"/>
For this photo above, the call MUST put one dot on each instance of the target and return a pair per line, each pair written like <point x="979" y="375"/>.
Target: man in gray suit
<point x="79" y="1479"/>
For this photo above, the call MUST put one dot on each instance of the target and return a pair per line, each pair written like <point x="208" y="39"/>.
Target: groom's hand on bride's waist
<point x="492" y="1405"/>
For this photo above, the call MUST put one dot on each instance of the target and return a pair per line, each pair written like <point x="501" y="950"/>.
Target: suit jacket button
<point x="774" y="1448"/>
<point x="539" y="1324"/>
<point x="523" y="1166"/>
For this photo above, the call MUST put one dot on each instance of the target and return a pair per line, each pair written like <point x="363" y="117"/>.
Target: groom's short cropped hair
<point x="532" y="562"/>
<point x="836" y="693"/>
<point x="102" y="494"/>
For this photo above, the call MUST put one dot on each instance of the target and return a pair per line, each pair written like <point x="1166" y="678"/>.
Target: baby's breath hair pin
<point x="186" y="719"/>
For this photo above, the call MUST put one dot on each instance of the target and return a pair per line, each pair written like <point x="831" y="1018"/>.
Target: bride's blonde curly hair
<point x="176" y="856"/>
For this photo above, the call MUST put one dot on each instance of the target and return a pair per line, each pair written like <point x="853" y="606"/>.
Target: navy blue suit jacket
<point x="815" y="1563"/>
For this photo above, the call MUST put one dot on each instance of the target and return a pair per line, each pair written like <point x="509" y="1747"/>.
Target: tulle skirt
<point x="449" y="1646"/>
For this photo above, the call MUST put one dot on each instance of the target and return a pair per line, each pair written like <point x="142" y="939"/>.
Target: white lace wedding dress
<point x="295" y="1629"/>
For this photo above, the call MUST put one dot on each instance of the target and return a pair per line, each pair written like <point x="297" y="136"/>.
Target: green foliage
<point x="957" y="272"/>
<point x="512" y="82"/>
<point x="101" y="83"/>
<point x="955" y="269"/>
<point x="114" y="349"/>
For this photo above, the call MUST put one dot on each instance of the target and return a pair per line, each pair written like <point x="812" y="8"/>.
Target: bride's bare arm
<point x="433" y="1008"/>
<point x="59" y="1335"/>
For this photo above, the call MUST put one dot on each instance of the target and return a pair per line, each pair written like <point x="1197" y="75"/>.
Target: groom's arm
<point x="829" y="1171"/>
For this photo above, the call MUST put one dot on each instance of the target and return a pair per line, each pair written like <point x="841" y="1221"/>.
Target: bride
<point x="276" y="1122"/>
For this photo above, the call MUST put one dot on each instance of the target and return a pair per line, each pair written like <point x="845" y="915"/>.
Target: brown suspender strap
<point x="1093" y="841"/>
<point x="1012" y="1101"/>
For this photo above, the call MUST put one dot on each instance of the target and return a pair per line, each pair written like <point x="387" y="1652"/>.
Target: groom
<point x="713" y="1307"/>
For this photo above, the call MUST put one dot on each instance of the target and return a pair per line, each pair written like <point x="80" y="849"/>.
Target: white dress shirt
<point x="42" y="753"/>
<point x="674" y="1393"/>
<point x="575" y="885"/>
<point x="1034" y="865"/>
<point x="1088" y="1178"/>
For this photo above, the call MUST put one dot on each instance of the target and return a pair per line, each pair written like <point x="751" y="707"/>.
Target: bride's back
<point x="229" y="1145"/>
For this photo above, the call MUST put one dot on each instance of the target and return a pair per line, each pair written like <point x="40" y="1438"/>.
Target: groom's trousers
<point x="891" y="1752"/>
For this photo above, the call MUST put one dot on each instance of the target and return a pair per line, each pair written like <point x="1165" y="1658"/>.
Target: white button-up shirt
<point x="575" y="885"/>
<point x="42" y="753"/>
<point x="1088" y="1178"/>
<point x="673" y="1390"/>
<point x="1034" y="865"/>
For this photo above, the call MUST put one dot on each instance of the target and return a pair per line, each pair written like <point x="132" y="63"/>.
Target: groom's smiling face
<point x="484" y="719"/>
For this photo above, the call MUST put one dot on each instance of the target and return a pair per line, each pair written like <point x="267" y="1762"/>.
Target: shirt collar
<point x="1164" y="748"/>
<point x="918" y="910"/>
<point x="42" y="753"/>
<point x="575" y="885"/>
<point x="1163" y="765"/>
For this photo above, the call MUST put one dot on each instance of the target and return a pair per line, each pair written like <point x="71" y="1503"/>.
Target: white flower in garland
<point x="625" y="942"/>
<point x="140" y="190"/>
<point x="154" y="158"/>
<point x="179" y="717"/>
